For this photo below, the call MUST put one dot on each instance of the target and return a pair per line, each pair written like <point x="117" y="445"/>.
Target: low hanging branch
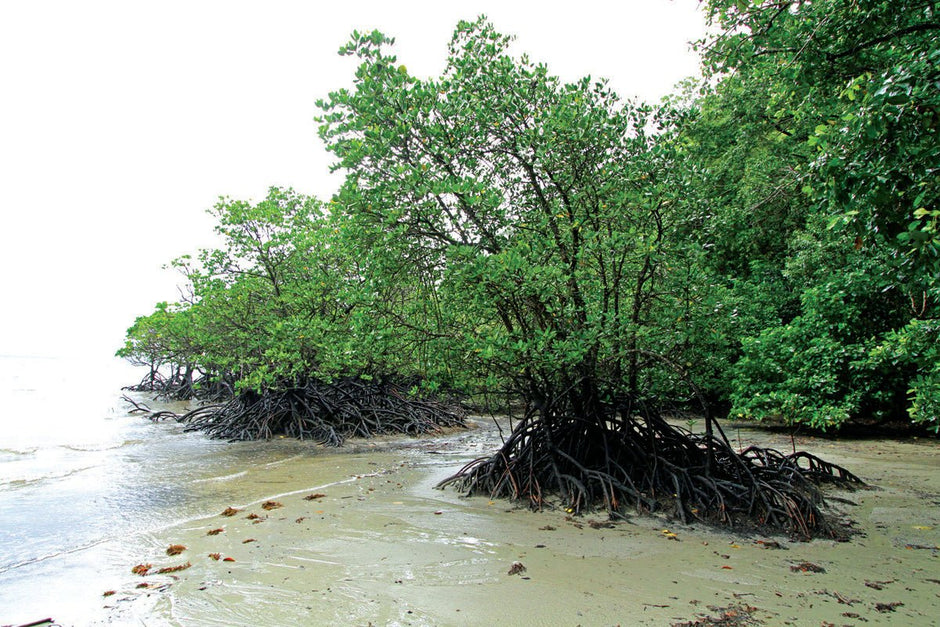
<point x="325" y="412"/>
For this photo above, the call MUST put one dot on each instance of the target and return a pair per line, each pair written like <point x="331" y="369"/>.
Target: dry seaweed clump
<point x="173" y="569"/>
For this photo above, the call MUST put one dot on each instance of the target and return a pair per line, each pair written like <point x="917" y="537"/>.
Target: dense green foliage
<point x="820" y="149"/>
<point x="285" y="298"/>
<point x="543" y="212"/>
<point x="767" y="242"/>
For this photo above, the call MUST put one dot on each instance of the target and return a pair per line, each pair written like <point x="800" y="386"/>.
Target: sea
<point x="84" y="481"/>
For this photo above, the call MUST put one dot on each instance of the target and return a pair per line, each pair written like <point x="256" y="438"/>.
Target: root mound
<point x="643" y="461"/>
<point x="325" y="412"/>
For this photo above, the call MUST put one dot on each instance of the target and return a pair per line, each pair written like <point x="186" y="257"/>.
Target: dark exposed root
<point x="624" y="460"/>
<point x="138" y="408"/>
<point x="185" y="384"/>
<point x="325" y="412"/>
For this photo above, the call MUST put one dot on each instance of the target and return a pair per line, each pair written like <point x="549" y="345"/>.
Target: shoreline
<point x="383" y="546"/>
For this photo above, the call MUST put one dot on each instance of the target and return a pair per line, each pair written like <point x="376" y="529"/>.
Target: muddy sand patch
<point x="374" y="542"/>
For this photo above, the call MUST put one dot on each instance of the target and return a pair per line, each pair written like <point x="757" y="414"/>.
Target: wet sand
<point x="382" y="546"/>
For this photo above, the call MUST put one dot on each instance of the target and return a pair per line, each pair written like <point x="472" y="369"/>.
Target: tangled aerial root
<point x="182" y="386"/>
<point x="645" y="462"/>
<point x="325" y="412"/>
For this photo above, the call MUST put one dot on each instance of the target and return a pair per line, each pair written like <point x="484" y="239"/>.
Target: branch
<point x="926" y="26"/>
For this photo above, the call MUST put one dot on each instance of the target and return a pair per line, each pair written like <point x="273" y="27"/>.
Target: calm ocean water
<point x="83" y="482"/>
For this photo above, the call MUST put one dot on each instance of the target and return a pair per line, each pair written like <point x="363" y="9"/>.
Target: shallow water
<point x="382" y="546"/>
<point x="81" y="478"/>
<point x="89" y="491"/>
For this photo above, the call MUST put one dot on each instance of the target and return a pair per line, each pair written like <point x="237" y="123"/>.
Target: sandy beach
<point x="363" y="537"/>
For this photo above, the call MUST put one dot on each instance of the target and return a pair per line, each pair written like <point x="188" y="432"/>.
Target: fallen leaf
<point x="108" y="593"/>
<point x="228" y="559"/>
<point x="175" y="549"/>
<point x="727" y="568"/>
<point x="438" y="513"/>
<point x="923" y="527"/>
<point x="215" y="556"/>
<point x="215" y="532"/>
<point x="247" y="540"/>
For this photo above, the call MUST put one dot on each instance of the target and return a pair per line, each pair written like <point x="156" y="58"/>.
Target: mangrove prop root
<point x="645" y="462"/>
<point x="325" y="412"/>
<point x="183" y="385"/>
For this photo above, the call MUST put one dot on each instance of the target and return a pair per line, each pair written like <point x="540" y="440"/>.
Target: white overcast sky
<point x="122" y="121"/>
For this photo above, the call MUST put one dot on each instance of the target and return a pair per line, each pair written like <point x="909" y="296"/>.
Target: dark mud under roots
<point x="647" y="464"/>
